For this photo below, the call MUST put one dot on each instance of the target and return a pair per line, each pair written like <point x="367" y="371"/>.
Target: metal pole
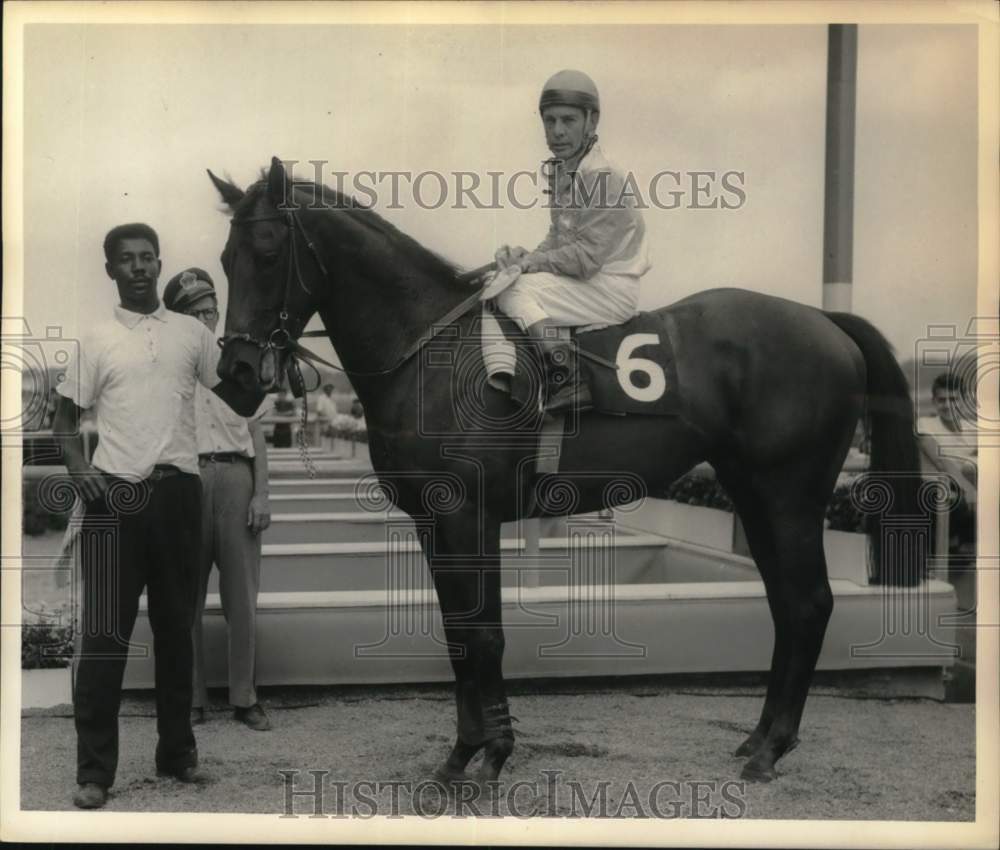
<point x="838" y="218"/>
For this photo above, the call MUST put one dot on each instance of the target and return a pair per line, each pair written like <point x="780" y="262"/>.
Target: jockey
<point x="587" y="270"/>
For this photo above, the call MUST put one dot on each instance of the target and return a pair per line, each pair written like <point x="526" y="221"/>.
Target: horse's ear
<point x="278" y="188"/>
<point x="231" y="194"/>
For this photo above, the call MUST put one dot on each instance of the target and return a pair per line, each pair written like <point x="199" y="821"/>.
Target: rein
<point x="458" y="310"/>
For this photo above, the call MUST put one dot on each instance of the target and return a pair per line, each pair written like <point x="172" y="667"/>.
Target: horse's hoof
<point x="758" y="772"/>
<point x="748" y="747"/>
<point x="446" y="775"/>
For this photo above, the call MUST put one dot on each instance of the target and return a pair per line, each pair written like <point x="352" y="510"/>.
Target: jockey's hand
<point x="507" y="256"/>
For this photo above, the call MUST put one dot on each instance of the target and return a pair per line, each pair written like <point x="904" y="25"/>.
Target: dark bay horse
<point x="770" y="394"/>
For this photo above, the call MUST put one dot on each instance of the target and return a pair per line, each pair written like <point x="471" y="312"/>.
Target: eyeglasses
<point x="209" y="313"/>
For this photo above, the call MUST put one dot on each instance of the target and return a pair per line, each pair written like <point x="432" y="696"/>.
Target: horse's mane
<point x="335" y="203"/>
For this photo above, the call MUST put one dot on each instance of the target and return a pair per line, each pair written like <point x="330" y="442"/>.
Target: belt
<point x="161" y="471"/>
<point x="222" y="457"/>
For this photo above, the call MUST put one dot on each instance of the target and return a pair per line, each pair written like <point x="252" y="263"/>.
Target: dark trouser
<point x="137" y="536"/>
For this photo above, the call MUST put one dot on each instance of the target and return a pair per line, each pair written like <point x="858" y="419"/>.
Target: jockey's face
<point x="567" y="129"/>
<point x="134" y="267"/>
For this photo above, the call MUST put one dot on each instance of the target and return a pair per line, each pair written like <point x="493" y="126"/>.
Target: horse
<point x="770" y="393"/>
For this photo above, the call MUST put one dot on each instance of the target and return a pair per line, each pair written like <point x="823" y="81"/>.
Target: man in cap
<point x="586" y="271"/>
<point x="232" y="457"/>
<point x="142" y="502"/>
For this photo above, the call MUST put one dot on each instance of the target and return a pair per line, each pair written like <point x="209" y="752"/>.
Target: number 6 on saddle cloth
<point x="630" y="368"/>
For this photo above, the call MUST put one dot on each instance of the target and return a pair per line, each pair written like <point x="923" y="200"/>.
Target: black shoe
<point x="197" y="715"/>
<point x="255" y="717"/>
<point x="90" y="795"/>
<point x="189" y="775"/>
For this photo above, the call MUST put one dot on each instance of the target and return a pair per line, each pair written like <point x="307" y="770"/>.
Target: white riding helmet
<point x="570" y="88"/>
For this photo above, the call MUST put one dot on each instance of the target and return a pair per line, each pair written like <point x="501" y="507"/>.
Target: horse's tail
<point x="893" y="481"/>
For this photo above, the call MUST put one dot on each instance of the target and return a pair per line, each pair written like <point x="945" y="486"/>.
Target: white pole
<point x="838" y="219"/>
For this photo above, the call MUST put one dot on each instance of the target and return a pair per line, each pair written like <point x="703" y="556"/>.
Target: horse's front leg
<point x="465" y="564"/>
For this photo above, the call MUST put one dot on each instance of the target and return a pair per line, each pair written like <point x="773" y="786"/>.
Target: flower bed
<point x="38" y="517"/>
<point x="48" y="641"/>
<point x="704" y="491"/>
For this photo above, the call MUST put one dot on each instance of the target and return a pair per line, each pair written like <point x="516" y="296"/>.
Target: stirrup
<point x="574" y="397"/>
<point x="564" y="389"/>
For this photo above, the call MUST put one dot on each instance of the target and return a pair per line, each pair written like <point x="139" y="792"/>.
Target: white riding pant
<point x="604" y="299"/>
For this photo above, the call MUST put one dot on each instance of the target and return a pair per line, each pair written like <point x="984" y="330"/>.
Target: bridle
<point x="282" y="338"/>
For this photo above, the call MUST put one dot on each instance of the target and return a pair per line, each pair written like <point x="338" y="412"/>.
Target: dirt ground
<point x="858" y="758"/>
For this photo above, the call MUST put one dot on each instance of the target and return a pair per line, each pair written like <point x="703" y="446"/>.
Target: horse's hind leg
<point x="803" y="598"/>
<point x="758" y="531"/>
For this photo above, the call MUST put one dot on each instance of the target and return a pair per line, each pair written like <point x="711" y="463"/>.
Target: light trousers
<point x="228" y="544"/>
<point x="604" y="299"/>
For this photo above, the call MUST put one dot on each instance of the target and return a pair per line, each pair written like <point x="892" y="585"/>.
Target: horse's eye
<point x="266" y="259"/>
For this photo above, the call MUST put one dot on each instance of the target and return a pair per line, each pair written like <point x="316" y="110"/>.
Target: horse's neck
<point x="373" y="326"/>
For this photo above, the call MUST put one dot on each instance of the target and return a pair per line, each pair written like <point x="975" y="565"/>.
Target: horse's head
<point x="275" y="277"/>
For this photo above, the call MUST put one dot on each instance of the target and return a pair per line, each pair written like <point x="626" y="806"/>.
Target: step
<point x="327" y="501"/>
<point x="357" y="525"/>
<point x="314" y="485"/>
<point x="295" y="469"/>
<point x="399" y="563"/>
<point x="354" y="637"/>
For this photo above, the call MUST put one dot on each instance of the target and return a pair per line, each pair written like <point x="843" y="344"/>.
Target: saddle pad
<point x="646" y="378"/>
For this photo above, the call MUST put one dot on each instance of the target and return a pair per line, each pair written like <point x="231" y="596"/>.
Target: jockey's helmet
<point x="184" y="289"/>
<point x="570" y="88"/>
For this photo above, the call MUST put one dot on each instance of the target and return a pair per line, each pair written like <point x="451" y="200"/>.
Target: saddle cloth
<point x="630" y="368"/>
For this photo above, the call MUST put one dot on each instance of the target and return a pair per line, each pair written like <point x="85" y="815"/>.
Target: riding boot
<point x="565" y="391"/>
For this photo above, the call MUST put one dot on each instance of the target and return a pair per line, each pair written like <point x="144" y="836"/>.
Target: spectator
<point x="326" y="413"/>
<point x="283" y="406"/>
<point x="949" y="443"/>
<point x="948" y="438"/>
<point x="50" y="408"/>
<point x="138" y="369"/>
<point x="232" y="457"/>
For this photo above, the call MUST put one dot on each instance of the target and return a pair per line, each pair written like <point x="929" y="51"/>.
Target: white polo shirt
<point x="139" y="371"/>
<point x="220" y="428"/>
<point x="964" y="443"/>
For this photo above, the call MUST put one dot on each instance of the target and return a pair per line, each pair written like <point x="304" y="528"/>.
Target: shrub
<point x="693" y="489"/>
<point x="46" y="645"/>
<point x="39" y="518"/>
<point x="347" y="427"/>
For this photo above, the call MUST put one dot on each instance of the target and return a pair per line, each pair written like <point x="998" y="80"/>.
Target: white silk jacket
<point x="596" y="225"/>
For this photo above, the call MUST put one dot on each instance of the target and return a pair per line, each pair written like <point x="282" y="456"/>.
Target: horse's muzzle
<point x="243" y="402"/>
<point x="254" y="368"/>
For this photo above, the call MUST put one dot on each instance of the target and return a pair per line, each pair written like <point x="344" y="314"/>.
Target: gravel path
<point x="858" y="759"/>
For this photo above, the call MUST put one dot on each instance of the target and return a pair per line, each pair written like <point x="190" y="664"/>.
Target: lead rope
<point x="307" y="460"/>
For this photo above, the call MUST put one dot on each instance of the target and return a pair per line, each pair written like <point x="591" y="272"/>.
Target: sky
<point x="122" y="121"/>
